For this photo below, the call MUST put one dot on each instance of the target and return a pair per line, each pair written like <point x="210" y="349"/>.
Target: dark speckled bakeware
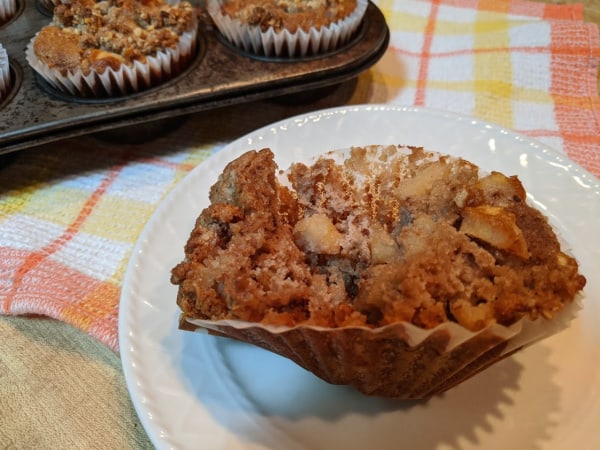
<point x="34" y="113"/>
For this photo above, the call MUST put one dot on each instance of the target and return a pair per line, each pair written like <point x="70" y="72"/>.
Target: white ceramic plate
<point x="195" y="391"/>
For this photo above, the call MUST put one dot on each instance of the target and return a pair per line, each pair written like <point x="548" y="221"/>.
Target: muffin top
<point x="86" y="34"/>
<point x="385" y="235"/>
<point x="288" y="14"/>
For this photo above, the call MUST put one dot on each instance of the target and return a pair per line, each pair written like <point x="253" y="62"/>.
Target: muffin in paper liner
<point x="118" y="53"/>
<point x="126" y="79"/>
<point x="5" y="82"/>
<point x="8" y="8"/>
<point x="385" y="354"/>
<point x="399" y="360"/>
<point x="271" y="42"/>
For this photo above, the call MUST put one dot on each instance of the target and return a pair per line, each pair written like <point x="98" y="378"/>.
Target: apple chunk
<point x="318" y="234"/>
<point x="495" y="225"/>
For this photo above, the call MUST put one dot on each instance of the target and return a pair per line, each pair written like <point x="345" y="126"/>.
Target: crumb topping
<point x="288" y="14"/>
<point x="390" y="234"/>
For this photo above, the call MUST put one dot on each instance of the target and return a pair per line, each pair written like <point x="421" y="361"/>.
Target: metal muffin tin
<point x="34" y="113"/>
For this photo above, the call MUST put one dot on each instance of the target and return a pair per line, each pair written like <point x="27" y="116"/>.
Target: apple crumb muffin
<point x="96" y="48"/>
<point x="395" y="270"/>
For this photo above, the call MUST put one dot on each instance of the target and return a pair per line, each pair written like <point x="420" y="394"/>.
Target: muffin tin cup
<point x="219" y="75"/>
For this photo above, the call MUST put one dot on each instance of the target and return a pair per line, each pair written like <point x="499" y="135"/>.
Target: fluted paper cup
<point x="8" y="8"/>
<point x="424" y="342"/>
<point x="5" y="81"/>
<point x="399" y="360"/>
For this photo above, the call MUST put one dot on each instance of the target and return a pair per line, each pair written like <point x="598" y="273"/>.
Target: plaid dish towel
<point x="529" y="66"/>
<point x="70" y="213"/>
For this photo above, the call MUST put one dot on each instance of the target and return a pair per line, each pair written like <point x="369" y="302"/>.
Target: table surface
<point x="591" y="11"/>
<point x="60" y="388"/>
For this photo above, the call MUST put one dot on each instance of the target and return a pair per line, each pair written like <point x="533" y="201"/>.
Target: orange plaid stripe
<point x="426" y="54"/>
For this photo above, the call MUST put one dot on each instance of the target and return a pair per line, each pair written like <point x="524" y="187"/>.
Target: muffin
<point x="8" y="8"/>
<point x="5" y="81"/>
<point x="114" y="47"/>
<point x="287" y="28"/>
<point x="395" y="270"/>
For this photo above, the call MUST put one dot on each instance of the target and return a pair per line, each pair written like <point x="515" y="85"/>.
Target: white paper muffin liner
<point x="127" y="79"/>
<point x="399" y="360"/>
<point x="284" y="43"/>
<point x="5" y="82"/>
<point x="8" y="8"/>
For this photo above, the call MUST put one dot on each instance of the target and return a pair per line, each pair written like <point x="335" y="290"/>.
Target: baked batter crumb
<point x="387" y="234"/>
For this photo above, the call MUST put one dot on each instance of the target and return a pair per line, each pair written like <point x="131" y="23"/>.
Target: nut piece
<point x="317" y="234"/>
<point x="496" y="226"/>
